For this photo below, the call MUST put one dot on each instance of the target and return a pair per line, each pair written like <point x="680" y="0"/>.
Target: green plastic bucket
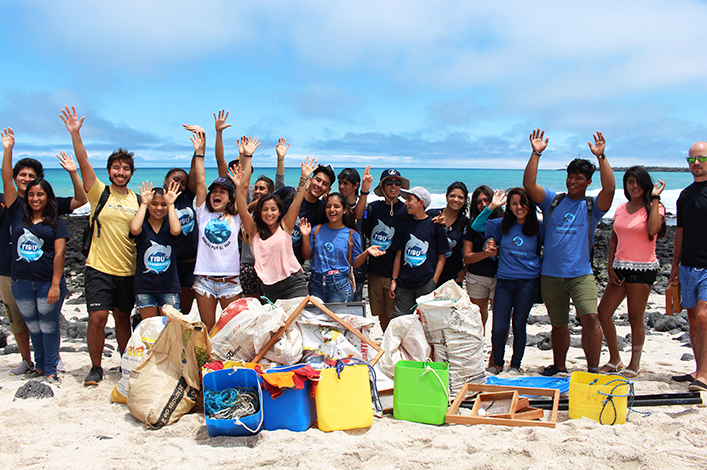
<point x="421" y="392"/>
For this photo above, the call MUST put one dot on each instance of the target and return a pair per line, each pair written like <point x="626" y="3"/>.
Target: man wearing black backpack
<point x="110" y="264"/>
<point x="570" y="220"/>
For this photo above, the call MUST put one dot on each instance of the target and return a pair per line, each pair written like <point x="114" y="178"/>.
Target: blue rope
<point x="340" y="364"/>
<point x="620" y="380"/>
<point x="230" y="403"/>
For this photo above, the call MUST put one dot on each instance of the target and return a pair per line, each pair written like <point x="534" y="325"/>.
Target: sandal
<point x="610" y="368"/>
<point x="495" y="370"/>
<point x="630" y="373"/>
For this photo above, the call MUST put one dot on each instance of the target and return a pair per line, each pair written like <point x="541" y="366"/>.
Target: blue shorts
<point x="156" y="300"/>
<point x="693" y="282"/>
<point x="217" y="287"/>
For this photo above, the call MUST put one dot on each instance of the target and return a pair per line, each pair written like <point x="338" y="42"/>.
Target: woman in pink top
<point x="271" y="231"/>
<point x="632" y="266"/>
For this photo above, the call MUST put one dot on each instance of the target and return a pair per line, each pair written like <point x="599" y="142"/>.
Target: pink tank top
<point x="274" y="258"/>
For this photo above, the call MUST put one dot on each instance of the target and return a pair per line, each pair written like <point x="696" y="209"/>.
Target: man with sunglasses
<point x="379" y="225"/>
<point x="690" y="262"/>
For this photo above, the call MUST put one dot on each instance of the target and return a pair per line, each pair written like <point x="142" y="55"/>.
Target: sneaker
<point x="24" y="367"/>
<point x="33" y="374"/>
<point x="94" y="376"/>
<point x="53" y="380"/>
<point x="551" y="371"/>
<point x="514" y="371"/>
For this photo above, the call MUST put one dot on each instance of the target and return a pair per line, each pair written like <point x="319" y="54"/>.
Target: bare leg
<point x="637" y="299"/>
<point x="560" y="336"/>
<point x="148" y="312"/>
<point x="384" y="319"/>
<point x="186" y="300"/>
<point x="95" y="336"/>
<point x="697" y="317"/>
<point x="612" y="298"/>
<point x="591" y="339"/>
<point x="483" y="305"/>
<point x="22" y="340"/>
<point x="225" y="302"/>
<point x="123" y="329"/>
<point x="207" y="309"/>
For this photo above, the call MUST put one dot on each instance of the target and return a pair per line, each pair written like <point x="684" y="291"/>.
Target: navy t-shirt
<point x="186" y="245"/>
<point x="6" y="250"/>
<point x="379" y="226"/>
<point x="156" y="270"/>
<point x="421" y="242"/>
<point x="33" y="253"/>
<point x="312" y="211"/>
<point x="486" y="267"/>
<point x="455" y="234"/>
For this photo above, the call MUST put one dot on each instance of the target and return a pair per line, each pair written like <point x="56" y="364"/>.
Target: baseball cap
<point x="421" y="193"/>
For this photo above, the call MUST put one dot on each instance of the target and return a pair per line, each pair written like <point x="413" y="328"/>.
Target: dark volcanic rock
<point x="34" y="389"/>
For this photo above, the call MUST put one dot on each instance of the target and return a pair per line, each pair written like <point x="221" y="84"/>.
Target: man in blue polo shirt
<point x="569" y="234"/>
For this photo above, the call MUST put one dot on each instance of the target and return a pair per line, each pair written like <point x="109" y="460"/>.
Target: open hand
<point x="71" y="121"/>
<point x="599" y="144"/>
<point x="249" y="145"/>
<point x="499" y="199"/>
<point x="146" y="192"/>
<point x="199" y="141"/>
<point x="537" y="142"/>
<point x="308" y="167"/>
<point x="172" y="193"/>
<point x="8" y="138"/>
<point x="281" y="148"/>
<point x="67" y="162"/>
<point x="375" y="251"/>
<point x="305" y="227"/>
<point x="238" y="177"/>
<point x="194" y="128"/>
<point x="220" y="120"/>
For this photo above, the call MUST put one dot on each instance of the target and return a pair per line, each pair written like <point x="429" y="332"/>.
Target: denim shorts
<point x="694" y="285"/>
<point x="211" y="286"/>
<point x="331" y="287"/>
<point x="156" y="300"/>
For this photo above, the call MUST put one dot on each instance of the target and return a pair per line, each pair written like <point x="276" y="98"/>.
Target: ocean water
<point x="435" y="180"/>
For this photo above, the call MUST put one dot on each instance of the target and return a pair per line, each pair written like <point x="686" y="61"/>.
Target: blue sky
<point x="406" y="84"/>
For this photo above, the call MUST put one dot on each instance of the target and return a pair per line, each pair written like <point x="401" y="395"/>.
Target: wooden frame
<point x="523" y="418"/>
<point x="306" y="301"/>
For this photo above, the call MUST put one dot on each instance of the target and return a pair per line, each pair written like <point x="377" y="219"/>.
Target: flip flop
<point x="610" y="368"/>
<point x="683" y="378"/>
<point x="630" y="373"/>
<point x="551" y="370"/>
<point x="697" y="386"/>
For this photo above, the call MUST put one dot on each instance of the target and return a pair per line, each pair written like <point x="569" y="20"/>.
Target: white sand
<point x="80" y="428"/>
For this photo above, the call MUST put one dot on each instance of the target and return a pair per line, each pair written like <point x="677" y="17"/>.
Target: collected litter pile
<point x="296" y="363"/>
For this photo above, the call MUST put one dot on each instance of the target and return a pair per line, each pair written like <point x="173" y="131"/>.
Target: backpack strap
<point x="558" y="198"/>
<point x="316" y="231"/>
<point x="99" y="207"/>
<point x="351" y="232"/>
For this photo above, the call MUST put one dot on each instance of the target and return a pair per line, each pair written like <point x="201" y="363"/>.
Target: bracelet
<point x="394" y="279"/>
<point x="365" y="193"/>
<point x="198" y="156"/>
<point x="602" y="157"/>
<point x="244" y="155"/>
<point x="535" y="152"/>
<point x="655" y="198"/>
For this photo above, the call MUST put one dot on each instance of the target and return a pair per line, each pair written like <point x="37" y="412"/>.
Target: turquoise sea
<point x="435" y="180"/>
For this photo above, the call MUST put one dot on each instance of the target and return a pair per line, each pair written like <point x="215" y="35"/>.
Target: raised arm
<point x="249" y="145"/>
<point x="241" y="180"/>
<point x="199" y="141"/>
<point x="608" y="183"/>
<point x="655" y="219"/>
<point x="281" y="151"/>
<point x="73" y="125"/>
<point x="290" y="219"/>
<point x="170" y="196"/>
<point x="220" y="124"/>
<point x="499" y="198"/>
<point x="146" y="193"/>
<point x="366" y="184"/>
<point x="8" y="142"/>
<point x="69" y="165"/>
<point x="530" y="176"/>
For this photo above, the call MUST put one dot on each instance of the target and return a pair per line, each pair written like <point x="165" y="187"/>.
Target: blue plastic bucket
<point x="239" y="378"/>
<point x="293" y="410"/>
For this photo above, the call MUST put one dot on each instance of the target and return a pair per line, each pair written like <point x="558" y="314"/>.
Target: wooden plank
<point x="293" y="316"/>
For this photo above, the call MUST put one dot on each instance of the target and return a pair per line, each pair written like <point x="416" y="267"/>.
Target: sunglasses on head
<point x="391" y="182"/>
<point x="701" y="159"/>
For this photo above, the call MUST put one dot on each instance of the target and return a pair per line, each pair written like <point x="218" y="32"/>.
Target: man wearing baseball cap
<point x="379" y="224"/>
<point x="420" y="246"/>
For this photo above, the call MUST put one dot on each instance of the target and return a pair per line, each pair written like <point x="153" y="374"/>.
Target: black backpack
<point x="88" y="230"/>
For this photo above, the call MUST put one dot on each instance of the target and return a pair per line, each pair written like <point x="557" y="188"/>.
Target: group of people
<point x="170" y="245"/>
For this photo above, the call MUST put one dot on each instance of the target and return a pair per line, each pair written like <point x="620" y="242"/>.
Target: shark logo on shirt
<point x="29" y="247"/>
<point x="452" y="244"/>
<point x="186" y="219"/>
<point x="296" y="233"/>
<point x="157" y="258"/>
<point x="415" y="251"/>
<point x="217" y="231"/>
<point x="382" y="235"/>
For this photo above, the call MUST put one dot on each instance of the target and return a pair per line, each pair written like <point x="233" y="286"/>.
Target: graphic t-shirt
<point x="186" y="245"/>
<point x="312" y="211"/>
<point x="379" y="226"/>
<point x="518" y="254"/>
<point x="692" y="217"/>
<point x="455" y="234"/>
<point x="33" y="254"/>
<point x="6" y="249"/>
<point x="113" y="252"/>
<point x="156" y="261"/>
<point x="217" y="254"/>
<point x="421" y="241"/>
<point x="330" y="249"/>
<point x="568" y="231"/>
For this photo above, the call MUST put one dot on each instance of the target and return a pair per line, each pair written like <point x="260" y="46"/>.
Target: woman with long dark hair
<point x="519" y="238"/>
<point x="335" y="248"/>
<point x="633" y="265"/>
<point x="39" y="240"/>
<point x="455" y="221"/>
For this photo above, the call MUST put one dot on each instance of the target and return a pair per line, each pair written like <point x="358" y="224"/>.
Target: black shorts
<point x="106" y="292"/>
<point x="636" y="276"/>
<point x="185" y="271"/>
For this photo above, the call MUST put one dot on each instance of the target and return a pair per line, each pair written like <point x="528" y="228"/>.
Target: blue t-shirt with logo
<point x="156" y="271"/>
<point x="186" y="245"/>
<point x="33" y="246"/>
<point x="455" y="238"/>
<point x="330" y="249"/>
<point x="379" y="226"/>
<point x="421" y="242"/>
<point x="568" y="231"/>
<point x="518" y="254"/>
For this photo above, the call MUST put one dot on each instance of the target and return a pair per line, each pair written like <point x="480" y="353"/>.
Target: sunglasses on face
<point x="393" y="182"/>
<point x="702" y="159"/>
